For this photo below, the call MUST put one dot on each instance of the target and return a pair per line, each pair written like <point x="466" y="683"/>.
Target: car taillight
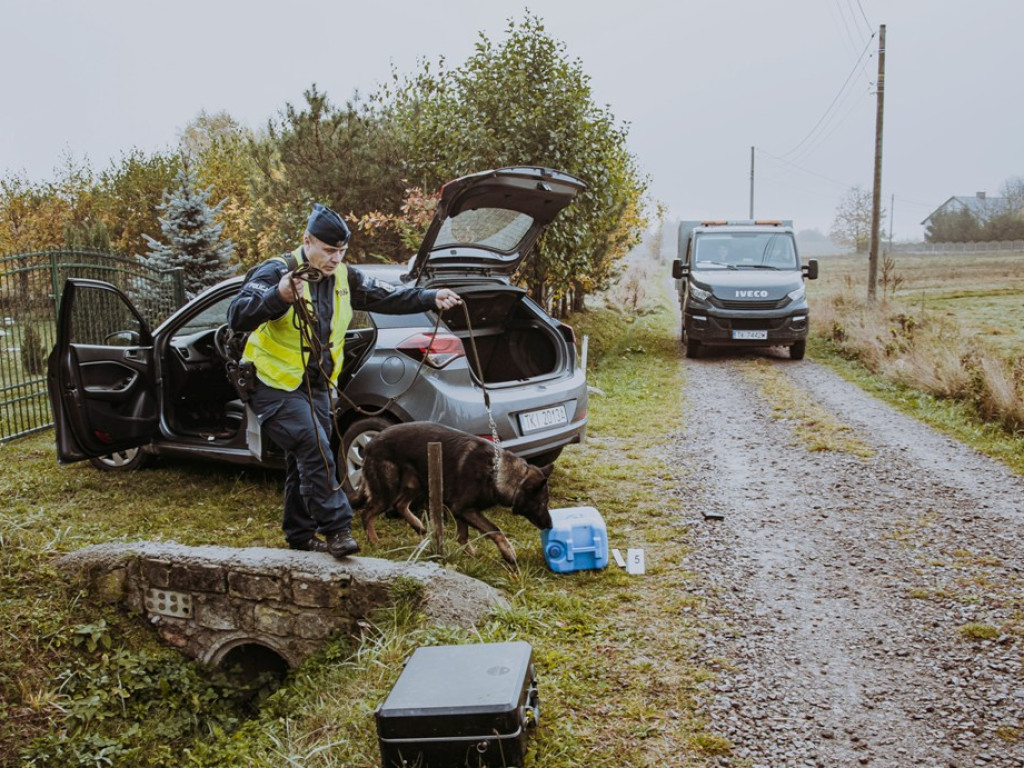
<point x="435" y="350"/>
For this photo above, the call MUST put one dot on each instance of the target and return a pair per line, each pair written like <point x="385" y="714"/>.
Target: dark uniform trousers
<point x="313" y="499"/>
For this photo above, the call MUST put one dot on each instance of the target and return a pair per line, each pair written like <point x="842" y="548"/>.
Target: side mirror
<point x="810" y="269"/>
<point x="123" y="339"/>
<point x="678" y="270"/>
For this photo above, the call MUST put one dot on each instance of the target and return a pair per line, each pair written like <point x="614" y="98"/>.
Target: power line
<point x="930" y="206"/>
<point x="864" y="16"/>
<point x="851" y="38"/>
<point x="846" y="82"/>
<point x="791" y="164"/>
<point x="824" y="137"/>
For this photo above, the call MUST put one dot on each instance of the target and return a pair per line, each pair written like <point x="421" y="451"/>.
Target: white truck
<point x="741" y="284"/>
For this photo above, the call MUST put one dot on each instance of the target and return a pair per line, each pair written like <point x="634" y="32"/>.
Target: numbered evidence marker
<point x="635" y="561"/>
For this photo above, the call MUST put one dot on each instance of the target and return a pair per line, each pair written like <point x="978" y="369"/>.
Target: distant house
<point x="981" y="206"/>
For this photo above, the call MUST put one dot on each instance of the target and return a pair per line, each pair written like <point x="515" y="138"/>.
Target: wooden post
<point x="751" y="217"/>
<point x="435" y="481"/>
<point x="876" y="195"/>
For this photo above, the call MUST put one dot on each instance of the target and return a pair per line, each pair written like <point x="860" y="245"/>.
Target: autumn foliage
<point x="379" y="160"/>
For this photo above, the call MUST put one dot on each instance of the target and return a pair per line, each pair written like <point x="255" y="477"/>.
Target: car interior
<point x="513" y="344"/>
<point x="198" y="398"/>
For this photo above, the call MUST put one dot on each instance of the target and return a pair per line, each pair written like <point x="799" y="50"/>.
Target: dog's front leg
<point x="486" y="527"/>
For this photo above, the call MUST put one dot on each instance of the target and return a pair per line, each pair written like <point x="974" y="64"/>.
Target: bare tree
<point x="205" y="129"/>
<point x="852" y="224"/>
<point x="1013" y="191"/>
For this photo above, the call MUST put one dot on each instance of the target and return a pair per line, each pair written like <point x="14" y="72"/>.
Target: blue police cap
<point x="327" y="226"/>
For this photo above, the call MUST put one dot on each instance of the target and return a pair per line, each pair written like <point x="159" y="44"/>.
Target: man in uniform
<point x="297" y="308"/>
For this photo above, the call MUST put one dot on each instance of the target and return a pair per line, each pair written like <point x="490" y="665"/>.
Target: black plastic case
<point x="460" y="706"/>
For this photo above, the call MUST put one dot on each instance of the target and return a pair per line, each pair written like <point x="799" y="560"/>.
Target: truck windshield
<point x="745" y="250"/>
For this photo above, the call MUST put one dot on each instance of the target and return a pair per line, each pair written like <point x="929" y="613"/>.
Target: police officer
<point x="297" y="352"/>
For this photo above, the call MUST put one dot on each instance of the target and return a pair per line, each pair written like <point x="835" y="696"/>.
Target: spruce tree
<point x="193" y="236"/>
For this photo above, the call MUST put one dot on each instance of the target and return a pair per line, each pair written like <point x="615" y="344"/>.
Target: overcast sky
<point x="699" y="84"/>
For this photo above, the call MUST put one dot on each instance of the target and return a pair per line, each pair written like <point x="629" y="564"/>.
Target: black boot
<point x="313" y="545"/>
<point x="341" y="544"/>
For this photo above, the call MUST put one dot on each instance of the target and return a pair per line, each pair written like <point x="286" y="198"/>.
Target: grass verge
<point x="814" y="426"/>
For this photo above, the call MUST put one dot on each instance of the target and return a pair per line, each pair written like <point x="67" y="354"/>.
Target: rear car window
<point x="418" y="320"/>
<point x="495" y="228"/>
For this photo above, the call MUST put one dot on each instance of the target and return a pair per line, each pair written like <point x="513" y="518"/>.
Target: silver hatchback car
<point x="121" y="392"/>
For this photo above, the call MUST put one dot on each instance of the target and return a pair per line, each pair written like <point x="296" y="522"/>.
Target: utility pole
<point x="751" y="183"/>
<point x="876" y="196"/>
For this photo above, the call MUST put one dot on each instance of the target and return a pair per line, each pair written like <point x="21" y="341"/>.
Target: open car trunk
<point x="507" y="340"/>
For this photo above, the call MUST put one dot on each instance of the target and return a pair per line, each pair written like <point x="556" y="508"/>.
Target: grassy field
<point x="995" y="315"/>
<point x="983" y="292"/>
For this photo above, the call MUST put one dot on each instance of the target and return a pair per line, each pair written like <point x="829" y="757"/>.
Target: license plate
<point x="750" y="335"/>
<point x="542" y="419"/>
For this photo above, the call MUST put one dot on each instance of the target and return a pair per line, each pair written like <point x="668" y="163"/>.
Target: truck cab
<point x="741" y="284"/>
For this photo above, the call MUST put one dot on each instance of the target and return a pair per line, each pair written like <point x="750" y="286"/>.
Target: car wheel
<point x="353" y="444"/>
<point x="692" y="347"/>
<point x="797" y="350"/>
<point x="543" y="459"/>
<point x="120" y="461"/>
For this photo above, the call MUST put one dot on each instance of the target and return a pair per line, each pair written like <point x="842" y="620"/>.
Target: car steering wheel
<point x="222" y="339"/>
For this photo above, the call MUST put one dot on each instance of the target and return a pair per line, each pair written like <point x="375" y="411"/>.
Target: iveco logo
<point x="751" y="294"/>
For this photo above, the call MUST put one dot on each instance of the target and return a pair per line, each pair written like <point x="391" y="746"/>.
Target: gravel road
<point x="841" y="591"/>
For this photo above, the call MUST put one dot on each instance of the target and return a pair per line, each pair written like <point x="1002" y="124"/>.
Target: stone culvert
<point x="219" y="603"/>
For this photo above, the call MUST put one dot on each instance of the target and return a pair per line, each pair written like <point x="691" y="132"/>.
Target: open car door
<point x="100" y="374"/>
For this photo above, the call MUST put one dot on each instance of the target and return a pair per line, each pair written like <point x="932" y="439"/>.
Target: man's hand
<point x="290" y="287"/>
<point x="447" y="298"/>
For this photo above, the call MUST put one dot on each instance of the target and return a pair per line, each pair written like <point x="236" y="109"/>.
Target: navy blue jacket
<point x="259" y="301"/>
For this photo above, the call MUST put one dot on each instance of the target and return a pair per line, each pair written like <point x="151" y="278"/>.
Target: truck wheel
<point x="692" y="348"/>
<point x="797" y="350"/>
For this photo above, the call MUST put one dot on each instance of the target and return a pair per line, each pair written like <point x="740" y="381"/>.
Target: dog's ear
<point x="536" y="477"/>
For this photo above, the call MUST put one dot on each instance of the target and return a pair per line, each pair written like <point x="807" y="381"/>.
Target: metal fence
<point x="30" y="292"/>
<point x="1003" y="245"/>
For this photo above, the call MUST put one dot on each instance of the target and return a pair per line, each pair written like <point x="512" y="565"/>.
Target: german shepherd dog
<point x="395" y="477"/>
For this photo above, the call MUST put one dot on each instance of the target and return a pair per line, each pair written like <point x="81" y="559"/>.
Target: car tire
<point x="120" y="461"/>
<point x="797" y="350"/>
<point x="350" y="451"/>
<point x="543" y="459"/>
<point x="692" y="347"/>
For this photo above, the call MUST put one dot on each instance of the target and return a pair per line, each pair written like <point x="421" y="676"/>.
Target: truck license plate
<point x="542" y="419"/>
<point x="750" y="335"/>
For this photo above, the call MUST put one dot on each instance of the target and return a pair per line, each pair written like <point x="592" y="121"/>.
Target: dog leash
<point x="305" y="320"/>
<point x="487" y="397"/>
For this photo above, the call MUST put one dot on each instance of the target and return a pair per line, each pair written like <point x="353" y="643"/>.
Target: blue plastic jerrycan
<point x="576" y="541"/>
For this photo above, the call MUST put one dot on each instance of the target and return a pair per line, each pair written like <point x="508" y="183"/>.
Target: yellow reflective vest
<point x="275" y="348"/>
